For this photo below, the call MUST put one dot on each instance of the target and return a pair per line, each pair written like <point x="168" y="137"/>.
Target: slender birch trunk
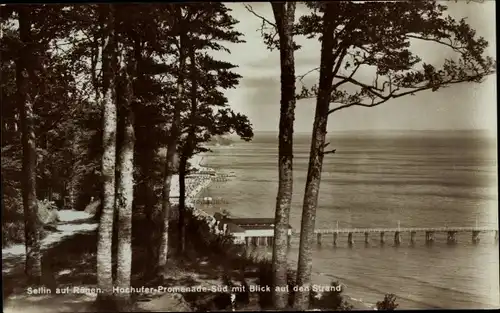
<point x="108" y="163"/>
<point x="125" y="194"/>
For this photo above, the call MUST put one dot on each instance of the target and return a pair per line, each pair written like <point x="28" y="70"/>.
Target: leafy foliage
<point x="378" y="38"/>
<point x="71" y="62"/>
<point x="388" y="304"/>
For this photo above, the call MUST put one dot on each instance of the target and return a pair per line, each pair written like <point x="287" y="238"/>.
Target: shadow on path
<point x="68" y="263"/>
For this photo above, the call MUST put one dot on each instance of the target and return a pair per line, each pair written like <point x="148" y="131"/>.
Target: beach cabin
<point x="256" y="231"/>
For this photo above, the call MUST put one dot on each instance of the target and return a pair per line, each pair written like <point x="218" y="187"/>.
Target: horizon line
<point x="385" y="130"/>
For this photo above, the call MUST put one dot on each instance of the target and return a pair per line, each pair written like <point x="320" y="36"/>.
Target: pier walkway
<point x="397" y="231"/>
<point x="401" y="229"/>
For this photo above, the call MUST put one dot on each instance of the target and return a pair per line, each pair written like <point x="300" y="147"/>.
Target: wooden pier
<point x="260" y="231"/>
<point x="397" y="233"/>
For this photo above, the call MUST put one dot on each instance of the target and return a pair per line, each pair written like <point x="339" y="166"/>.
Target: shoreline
<point x="200" y="182"/>
<point x="204" y="181"/>
<point x="195" y="184"/>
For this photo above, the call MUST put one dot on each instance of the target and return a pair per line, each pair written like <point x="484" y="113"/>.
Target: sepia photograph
<point x="249" y="156"/>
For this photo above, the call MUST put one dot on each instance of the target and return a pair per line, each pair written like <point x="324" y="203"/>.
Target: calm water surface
<point x="424" y="179"/>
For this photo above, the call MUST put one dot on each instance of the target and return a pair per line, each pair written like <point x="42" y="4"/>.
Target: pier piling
<point x="247" y="241"/>
<point x="412" y="237"/>
<point x="475" y="236"/>
<point x="429" y="236"/>
<point x="289" y="240"/>
<point x="397" y="238"/>
<point x="452" y="238"/>
<point x="350" y="241"/>
<point x="254" y="241"/>
<point x="451" y="233"/>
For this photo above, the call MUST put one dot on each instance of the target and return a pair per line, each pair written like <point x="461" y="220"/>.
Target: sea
<point x="376" y="180"/>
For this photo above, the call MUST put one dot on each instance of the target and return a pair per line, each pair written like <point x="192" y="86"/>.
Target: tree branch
<point x="341" y="55"/>
<point x="301" y="77"/>
<point x="458" y="49"/>
<point x="358" y="65"/>
<point x="251" y="10"/>
<point x="357" y="83"/>
<point x="345" y="44"/>
<point x="329" y="152"/>
<point x="394" y="95"/>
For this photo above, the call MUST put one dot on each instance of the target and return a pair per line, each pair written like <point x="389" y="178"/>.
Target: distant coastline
<point x="479" y="134"/>
<point x="392" y="131"/>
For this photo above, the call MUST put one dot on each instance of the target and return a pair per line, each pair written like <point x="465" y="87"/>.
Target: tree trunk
<point x="182" y="204"/>
<point x="284" y="14"/>
<point x="315" y="165"/>
<point x="71" y="192"/>
<point x="187" y="150"/>
<point x="170" y="157"/>
<point x="125" y="195"/>
<point x="190" y="144"/>
<point x="33" y="266"/>
<point x="124" y="207"/>
<point x="154" y="222"/>
<point x="108" y="163"/>
<point x="145" y="158"/>
<point x="166" y="205"/>
<point x="73" y="181"/>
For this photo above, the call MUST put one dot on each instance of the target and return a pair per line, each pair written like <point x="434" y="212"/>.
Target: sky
<point x="458" y="107"/>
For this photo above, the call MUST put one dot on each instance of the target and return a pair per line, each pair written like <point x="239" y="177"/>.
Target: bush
<point x="12" y="232"/>
<point x="330" y="300"/>
<point x="199" y="234"/>
<point x="12" y="203"/>
<point x="12" y="216"/>
<point x="205" y="241"/>
<point x="13" y="219"/>
<point x="388" y="304"/>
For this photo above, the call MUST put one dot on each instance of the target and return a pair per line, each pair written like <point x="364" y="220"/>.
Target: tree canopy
<point x="375" y="40"/>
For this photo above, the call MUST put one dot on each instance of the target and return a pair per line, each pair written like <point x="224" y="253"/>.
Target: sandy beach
<point x="195" y="183"/>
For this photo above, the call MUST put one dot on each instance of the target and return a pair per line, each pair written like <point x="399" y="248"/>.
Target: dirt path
<point x="71" y="223"/>
<point x="64" y="255"/>
<point x="68" y="261"/>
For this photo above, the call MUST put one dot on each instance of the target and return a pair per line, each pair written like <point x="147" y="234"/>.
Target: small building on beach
<point x="258" y="231"/>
